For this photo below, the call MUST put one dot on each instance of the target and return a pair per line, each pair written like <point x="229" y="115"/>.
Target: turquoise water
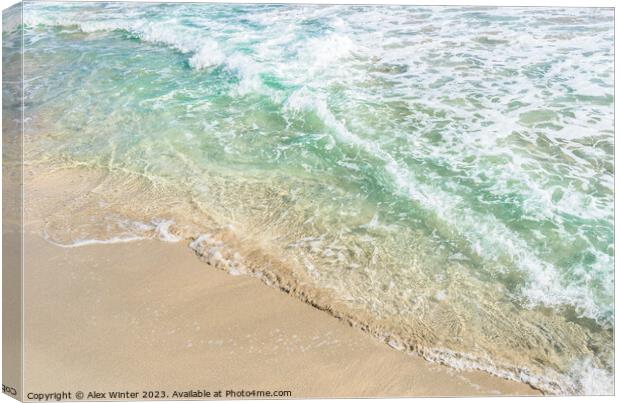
<point x="445" y="172"/>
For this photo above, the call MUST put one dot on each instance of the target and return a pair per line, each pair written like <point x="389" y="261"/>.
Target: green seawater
<point x="445" y="170"/>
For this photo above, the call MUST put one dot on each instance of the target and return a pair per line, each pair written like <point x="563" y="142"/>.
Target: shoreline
<point x="66" y="183"/>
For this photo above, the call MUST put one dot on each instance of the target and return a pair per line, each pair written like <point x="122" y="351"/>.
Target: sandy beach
<point x="150" y="316"/>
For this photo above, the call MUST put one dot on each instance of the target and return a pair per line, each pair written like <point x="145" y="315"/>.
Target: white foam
<point x="248" y="72"/>
<point x="591" y="380"/>
<point x="162" y="229"/>
<point x="86" y="242"/>
<point x="321" y="52"/>
<point x="133" y="231"/>
<point x="208" y="55"/>
<point x="215" y="253"/>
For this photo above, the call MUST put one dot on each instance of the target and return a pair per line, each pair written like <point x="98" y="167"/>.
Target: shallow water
<point x="446" y="173"/>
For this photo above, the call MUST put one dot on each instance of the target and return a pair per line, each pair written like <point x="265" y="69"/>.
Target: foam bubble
<point x="162" y="229"/>
<point x="217" y="254"/>
<point x="208" y="55"/>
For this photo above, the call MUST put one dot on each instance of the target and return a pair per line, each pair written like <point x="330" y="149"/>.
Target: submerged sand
<point x="149" y="315"/>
